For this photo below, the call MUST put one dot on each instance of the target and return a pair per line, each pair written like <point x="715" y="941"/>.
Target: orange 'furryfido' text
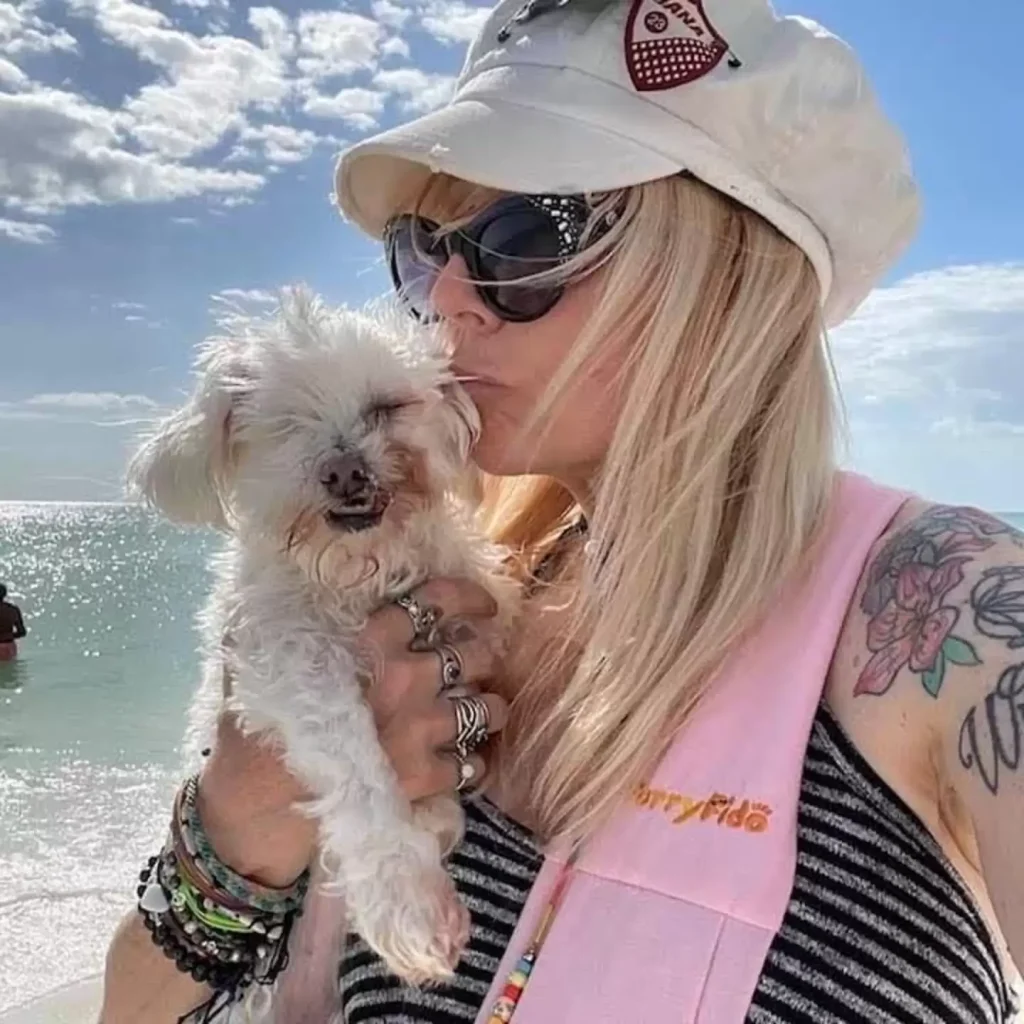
<point x="719" y="808"/>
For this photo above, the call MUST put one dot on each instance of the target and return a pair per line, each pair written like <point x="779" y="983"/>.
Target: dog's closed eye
<point x="384" y="408"/>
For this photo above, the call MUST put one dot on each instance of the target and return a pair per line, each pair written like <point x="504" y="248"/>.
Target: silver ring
<point x="452" y="669"/>
<point x="424" y="619"/>
<point x="467" y="773"/>
<point x="471" y="721"/>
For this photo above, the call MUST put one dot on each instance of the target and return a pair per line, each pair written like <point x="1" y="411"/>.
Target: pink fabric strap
<point x="674" y="905"/>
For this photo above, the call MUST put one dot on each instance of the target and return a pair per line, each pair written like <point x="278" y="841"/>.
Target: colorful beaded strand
<point x="506" y="1003"/>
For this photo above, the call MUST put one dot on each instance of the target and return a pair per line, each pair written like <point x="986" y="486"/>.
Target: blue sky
<point x="154" y="155"/>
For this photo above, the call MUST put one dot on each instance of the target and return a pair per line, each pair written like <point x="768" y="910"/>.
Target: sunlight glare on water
<point x="90" y="717"/>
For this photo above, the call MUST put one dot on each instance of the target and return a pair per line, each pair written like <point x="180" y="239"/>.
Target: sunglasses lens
<point x="505" y="249"/>
<point x="416" y="259"/>
<point x="513" y="247"/>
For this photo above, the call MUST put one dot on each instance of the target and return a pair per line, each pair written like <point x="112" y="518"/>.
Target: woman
<point x="764" y="718"/>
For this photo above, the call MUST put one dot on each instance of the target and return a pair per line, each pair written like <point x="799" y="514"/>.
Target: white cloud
<point x="22" y="31"/>
<point x="10" y="411"/>
<point x="96" y="407"/>
<point x="91" y="400"/>
<point x="396" y="46"/>
<point x="274" y="30"/>
<point x="236" y="296"/>
<point x="968" y="428"/>
<point x="355" y="106"/>
<point x="452" y="21"/>
<point x="59" y="150"/>
<point x="12" y="76"/>
<point x="276" y="143"/>
<point x="333" y="43"/>
<point x="387" y="12"/>
<point x="210" y="81"/>
<point x="419" y="91"/>
<point x="82" y="408"/>
<point x="23" y="231"/>
<point x="210" y="91"/>
<point x="133" y="314"/>
<point x="939" y="351"/>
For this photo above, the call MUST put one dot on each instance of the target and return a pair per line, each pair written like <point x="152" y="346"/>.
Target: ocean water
<point x="90" y="718"/>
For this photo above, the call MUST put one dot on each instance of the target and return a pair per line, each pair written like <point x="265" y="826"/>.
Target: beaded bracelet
<point x="193" y="951"/>
<point x="216" y="925"/>
<point x="248" y="892"/>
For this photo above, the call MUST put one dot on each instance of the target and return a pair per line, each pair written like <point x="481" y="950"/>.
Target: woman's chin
<point x="498" y="456"/>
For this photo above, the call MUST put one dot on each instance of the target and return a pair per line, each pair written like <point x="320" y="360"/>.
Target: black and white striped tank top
<point x="880" y="928"/>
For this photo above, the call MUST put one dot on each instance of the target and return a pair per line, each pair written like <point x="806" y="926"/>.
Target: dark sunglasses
<point x="504" y="247"/>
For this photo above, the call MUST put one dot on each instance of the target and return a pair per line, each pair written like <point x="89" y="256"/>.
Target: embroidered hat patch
<point x="670" y="43"/>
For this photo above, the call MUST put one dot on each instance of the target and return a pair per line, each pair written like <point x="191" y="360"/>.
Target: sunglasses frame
<point x="569" y="216"/>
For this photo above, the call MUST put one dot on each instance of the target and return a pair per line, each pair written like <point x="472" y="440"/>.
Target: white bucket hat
<point x="573" y="96"/>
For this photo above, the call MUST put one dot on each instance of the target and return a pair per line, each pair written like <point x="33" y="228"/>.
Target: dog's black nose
<point x="346" y="478"/>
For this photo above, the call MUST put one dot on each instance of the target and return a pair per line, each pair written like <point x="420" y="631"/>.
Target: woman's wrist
<point x="218" y="926"/>
<point x="246" y="844"/>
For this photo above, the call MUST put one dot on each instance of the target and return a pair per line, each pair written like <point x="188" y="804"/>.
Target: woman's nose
<point x="455" y="299"/>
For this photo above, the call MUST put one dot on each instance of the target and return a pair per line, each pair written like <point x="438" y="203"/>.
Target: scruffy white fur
<point x="275" y="397"/>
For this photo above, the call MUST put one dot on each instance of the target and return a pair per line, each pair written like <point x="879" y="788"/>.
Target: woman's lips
<point x="468" y="380"/>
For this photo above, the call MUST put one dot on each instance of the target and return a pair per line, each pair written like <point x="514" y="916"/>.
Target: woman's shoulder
<point x="937" y="614"/>
<point x="928" y="682"/>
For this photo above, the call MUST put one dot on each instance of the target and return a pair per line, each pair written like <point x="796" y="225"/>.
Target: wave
<point x="53" y="896"/>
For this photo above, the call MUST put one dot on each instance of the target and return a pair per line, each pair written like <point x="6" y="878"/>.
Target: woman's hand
<point x="247" y="798"/>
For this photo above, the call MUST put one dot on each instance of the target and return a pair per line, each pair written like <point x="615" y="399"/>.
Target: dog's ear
<point x="183" y="467"/>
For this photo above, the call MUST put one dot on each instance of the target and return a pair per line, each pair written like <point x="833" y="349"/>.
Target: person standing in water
<point x="12" y="627"/>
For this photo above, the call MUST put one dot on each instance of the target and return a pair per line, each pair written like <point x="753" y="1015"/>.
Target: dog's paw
<point x="443" y="817"/>
<point x="415" y="920"/>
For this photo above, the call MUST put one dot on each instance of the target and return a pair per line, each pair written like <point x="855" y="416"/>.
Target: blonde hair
<point x="710" y="497"/>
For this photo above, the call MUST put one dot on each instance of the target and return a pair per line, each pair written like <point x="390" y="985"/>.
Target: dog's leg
<point x="443" y="816"/>
<point x="397" y="892"/>
<point x="399" y="896"/>
<point x="307" y="992"/>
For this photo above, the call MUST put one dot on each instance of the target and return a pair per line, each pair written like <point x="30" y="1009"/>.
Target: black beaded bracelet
<point x="223" y="977"/>
<point x="227" y="963"/>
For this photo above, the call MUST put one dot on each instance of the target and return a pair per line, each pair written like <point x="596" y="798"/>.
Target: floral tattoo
<point x="910" y="623"/>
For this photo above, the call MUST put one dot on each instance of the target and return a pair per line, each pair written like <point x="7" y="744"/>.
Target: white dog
<point x="332" y="445"/>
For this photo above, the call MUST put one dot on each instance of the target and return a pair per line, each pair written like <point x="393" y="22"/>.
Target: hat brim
<point x="488" y="142"/>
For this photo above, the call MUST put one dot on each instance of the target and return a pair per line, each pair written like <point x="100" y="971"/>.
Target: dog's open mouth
<point x="363" y="516"/>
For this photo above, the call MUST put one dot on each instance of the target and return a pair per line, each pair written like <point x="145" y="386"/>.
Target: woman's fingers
<point x="412" y="692"/>
<point x="452" y="776"/>
<point x="453" y="599"/>
<point x="445" y="723"/>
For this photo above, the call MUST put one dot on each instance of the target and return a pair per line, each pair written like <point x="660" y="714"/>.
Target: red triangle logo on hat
<point x="670" y="43"/>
